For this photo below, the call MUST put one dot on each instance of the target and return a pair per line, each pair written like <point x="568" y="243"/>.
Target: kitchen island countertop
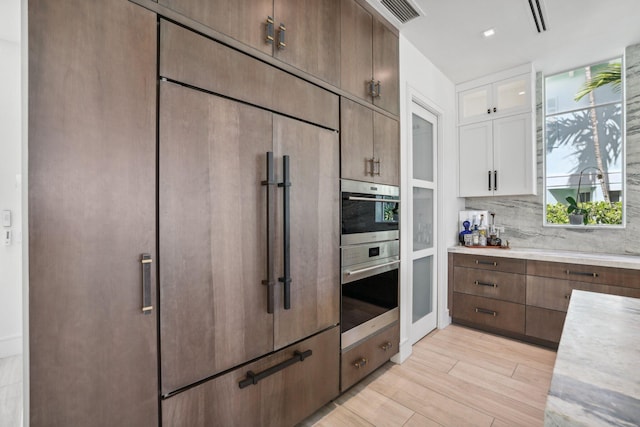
<point x="585" y="258"/>
<point x="596" y="378"/>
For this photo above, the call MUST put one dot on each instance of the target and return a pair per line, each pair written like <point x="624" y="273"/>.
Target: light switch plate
<point x="6" y="218"/>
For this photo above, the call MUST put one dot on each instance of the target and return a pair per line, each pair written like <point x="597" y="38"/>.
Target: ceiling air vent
<point x="401" y="9"/>
<point x="538" y="15"/>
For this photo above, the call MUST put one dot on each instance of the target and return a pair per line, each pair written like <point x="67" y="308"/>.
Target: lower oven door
<point x="369" y="299"/>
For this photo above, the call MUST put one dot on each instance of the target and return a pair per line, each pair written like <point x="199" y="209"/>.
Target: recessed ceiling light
<point x="521" y="93"/>
<point x="490" y="32"/>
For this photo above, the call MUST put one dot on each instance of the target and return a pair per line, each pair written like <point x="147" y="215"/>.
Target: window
<point x="584" y="146"/>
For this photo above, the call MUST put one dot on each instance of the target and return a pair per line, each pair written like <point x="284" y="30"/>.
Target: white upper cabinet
<point x="496" y="135"/>
<point x="478" y="101"/>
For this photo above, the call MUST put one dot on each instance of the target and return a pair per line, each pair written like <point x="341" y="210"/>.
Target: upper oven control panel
<point x="369" y="252"/>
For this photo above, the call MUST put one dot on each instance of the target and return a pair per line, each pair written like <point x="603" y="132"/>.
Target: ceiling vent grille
<point x="538" y="15"/>
<point x="401" y="9"/>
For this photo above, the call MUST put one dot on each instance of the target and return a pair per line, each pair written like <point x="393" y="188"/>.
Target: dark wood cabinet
<point x="369" y="57"/>
<point x="305" y="34"/>
<point x="542" y="290"/>
<point x="370" y="144"/>
<point x="365" y="357"/>
<point x="92" y="195"/>
<point x="281" y="399"/>
<point x="213" y="225"/>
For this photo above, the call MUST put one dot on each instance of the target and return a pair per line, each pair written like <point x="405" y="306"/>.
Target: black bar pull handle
<point x="582" y="273"/>
<point x="269" y="27"/>
<point x="480" y="262"/>
<point x="270" y="183"/>
<point x="286" y="202"/>
<point x="253" y="378"/>
<point x="491" y="285"/>
<point x="146" y="261"/>
<point x="489" y="181"/>
<point x="495" y="180"/>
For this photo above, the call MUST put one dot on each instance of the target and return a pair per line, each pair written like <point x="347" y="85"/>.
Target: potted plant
<point x="577" y="214"/>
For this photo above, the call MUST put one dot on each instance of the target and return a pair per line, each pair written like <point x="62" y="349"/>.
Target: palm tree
<point x="612" y="75"/>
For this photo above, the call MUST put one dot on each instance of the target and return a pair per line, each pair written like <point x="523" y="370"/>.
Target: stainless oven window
<point x="368" y="298"/>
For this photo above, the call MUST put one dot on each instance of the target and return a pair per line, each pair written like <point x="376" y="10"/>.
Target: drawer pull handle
<point x="581" y="273"/>
<point x="146" y="261"/>
<point x="567" y="296"/>
<point x="360" y="363"/>
<point x="253" y="378"/>
<point x="386" y="346"/>
<point x="269" y="28"/>
<point x="491" y="285"/>
<point x="485" y="311"/>
<point x="495" y="264"/>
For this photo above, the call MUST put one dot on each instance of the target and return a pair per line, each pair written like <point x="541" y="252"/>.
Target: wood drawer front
<point x="193" y="59"/>
<point x="555" y="294"/>
<point x="283" y="398"/>
<point x="373" y="350"/>
<point x="508" y="265"/>
<point x="545" y="324"/>
<point x="508" y="316"/>
<point x="585" y="273"/>
<point x="490" y="284"/>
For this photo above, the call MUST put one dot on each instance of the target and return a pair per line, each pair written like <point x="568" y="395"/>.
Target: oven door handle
<point x="371" y="199"/>
<point x="362" y="270"/>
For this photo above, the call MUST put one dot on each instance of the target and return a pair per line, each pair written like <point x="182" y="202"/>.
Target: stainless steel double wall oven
<point x="370" y="258"/>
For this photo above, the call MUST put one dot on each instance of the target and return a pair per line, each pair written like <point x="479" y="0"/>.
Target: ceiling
<point x="578" y="32"/>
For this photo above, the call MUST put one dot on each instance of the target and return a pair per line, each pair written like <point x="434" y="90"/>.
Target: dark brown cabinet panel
<point x="369" y="57"/>
<point x="370" y="145"/>
<point x="193" y="59"/>
<point x="212" y="232"/>
<point x="364" y="358"/>
<point x="92" y="196"/>
<point x="489" y="312"/>
<point x="544" y="324"/>
<point x="312" y="36"/>
<point x="282" y="399"/>
<point x="509" y="265"/>
<point x="490" y="284"/>
<point x="585" y="273"/>
<point x="315" y="228"/>
<point x="385" y="67"/>
<point x="305" y="34"/>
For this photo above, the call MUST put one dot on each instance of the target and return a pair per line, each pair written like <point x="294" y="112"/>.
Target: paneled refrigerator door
<point x="313" y="157"/>
<point x="213" y="234"/>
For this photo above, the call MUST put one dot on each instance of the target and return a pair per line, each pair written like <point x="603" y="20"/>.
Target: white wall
<point x="10" y="185"/>
<point x="420" y="79"/>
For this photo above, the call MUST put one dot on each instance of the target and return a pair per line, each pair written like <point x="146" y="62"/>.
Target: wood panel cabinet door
<point x="92" y="197"/>
<point x="386" y="60"/>
<point x="311" y="35"/>
<point x="213" y="236"/>
<point x="243" y="20"/>
<point x="356" y="53"/>
<point x="356" y="145"/>
<point x="314" y="226"/>
<point x="386" y="150"/>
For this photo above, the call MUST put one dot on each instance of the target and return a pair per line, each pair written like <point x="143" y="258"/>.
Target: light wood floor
<point x="11" y="391"/>
<point x="454" y="377"/>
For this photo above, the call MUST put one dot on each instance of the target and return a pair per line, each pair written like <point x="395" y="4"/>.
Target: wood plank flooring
<point x="11" y="391"/>
<point x="455" y="377"/>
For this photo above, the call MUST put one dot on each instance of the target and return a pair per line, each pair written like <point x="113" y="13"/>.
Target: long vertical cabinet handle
<point x="146" y="261"/>
<point x="489" y="180"/>
<point x="495" y="180"/>
<point x="286" y="207"/>
<point x="270" y="182"/>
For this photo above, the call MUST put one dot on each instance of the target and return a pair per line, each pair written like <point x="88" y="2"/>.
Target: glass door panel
<point x="422" y="218"/>
<point x="422" y="288"/>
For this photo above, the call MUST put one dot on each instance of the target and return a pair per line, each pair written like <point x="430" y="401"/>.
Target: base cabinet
<point x="527" y="299"/>
<point x="282" y="399"/>
<point x="367" y="356"/>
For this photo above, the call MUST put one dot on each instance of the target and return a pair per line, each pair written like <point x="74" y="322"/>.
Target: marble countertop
<point x="585" y="258"/>
<point x="596" y="378"/>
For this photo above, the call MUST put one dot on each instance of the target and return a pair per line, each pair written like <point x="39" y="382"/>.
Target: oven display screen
<point x="374" y="251"/>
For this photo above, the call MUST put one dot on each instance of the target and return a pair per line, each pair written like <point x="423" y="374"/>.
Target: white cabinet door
<point x="513" y="156"/>
<point x="476" y="159"/>
<point x="474" y="104"/>
<point x="511" y="96"/>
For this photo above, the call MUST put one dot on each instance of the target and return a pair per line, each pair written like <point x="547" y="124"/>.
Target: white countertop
<point x="585" y="258"/>
<point x="596" y="378"/>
